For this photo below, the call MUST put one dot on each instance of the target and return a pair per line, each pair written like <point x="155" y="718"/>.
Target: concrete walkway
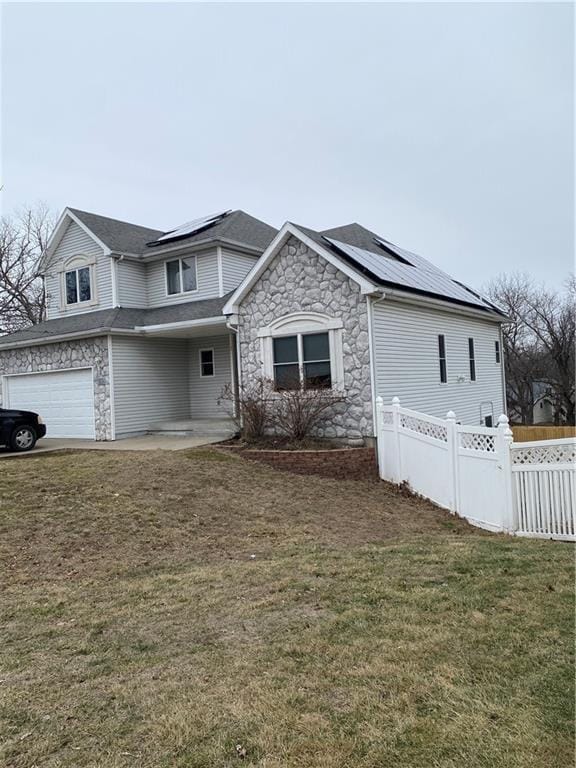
<point x="144" y="443"/>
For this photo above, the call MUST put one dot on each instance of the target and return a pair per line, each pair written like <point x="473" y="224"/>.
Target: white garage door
<point x="64" y="399"/>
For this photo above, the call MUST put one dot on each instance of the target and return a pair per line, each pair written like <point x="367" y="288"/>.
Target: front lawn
<point x="159" y="609"/>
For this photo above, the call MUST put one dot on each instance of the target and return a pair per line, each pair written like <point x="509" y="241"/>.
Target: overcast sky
<point x="446" y="128"/>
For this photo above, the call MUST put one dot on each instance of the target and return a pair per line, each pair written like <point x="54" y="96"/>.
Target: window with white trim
<point x="78" y="285"/>
<point x="181" y="276"/>
<point x="303" y="349"/>
<point x="206" y="362"/>
<point x="302" y="360"/>
<point x="497" y="350"/>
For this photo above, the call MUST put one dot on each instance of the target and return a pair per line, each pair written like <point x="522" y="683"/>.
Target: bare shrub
<point x="250" y="406"/>
<point x="298" y="411"/>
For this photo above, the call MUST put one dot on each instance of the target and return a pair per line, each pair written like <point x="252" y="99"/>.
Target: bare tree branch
<point x="539" y="344"/>
<point x="23" y="237"/>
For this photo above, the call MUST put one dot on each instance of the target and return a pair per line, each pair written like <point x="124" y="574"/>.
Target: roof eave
<point x="41" y="340"/>
<point x="450" y="305"/>
<point x="57" y="235"/>
<point x="199" y="245"/>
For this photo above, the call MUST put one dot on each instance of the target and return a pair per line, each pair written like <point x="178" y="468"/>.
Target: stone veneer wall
<point x="298" y="280"/>
<point x="68" y="354"/>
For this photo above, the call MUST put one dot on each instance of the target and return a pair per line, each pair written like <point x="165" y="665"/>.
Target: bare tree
<point x="23" y="237"/>
<point x="539" y="343"/>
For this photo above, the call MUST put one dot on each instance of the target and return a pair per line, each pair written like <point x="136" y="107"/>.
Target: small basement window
<point x="442" y="358"/>
<point x="472" y="359"/>
<point x="78" y="285"/>
<point x="181" y="276"/>
<point x="206" y="362"/>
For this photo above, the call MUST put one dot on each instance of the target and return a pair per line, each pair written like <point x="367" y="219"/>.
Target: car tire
<point x="23" y="439"/>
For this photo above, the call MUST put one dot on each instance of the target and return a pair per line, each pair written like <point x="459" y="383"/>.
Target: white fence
<point x="479" y="472"/>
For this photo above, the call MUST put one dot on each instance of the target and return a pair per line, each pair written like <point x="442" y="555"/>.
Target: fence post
<point x="452" y="442"/>
<point x="396" y="423"/>
<point x="380" y="435"/>
<point x="504" y="439"/>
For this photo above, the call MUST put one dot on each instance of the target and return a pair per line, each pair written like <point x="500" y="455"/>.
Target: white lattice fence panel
<point x="424" y="427"/>
<point x="543" y="452"/>
<point x="473" y="441"/>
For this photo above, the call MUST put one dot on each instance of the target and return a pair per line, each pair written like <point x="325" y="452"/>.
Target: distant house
<point x="145" y="327"/>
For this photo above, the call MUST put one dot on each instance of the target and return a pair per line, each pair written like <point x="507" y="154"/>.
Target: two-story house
<point x="145" y="328"/>
<point x="134" y="335"/>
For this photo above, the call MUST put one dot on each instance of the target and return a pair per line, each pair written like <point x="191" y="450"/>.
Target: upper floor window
<point x="302" y="360"/>
<point x="497" y="350"/>
<point x="78" y="285"/>
<point x="181" y="276"/>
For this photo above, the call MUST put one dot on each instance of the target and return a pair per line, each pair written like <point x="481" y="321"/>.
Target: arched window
<point x="78" y="281"/>
<point x="303" y="349"/>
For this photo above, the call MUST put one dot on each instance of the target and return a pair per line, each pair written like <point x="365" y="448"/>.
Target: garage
<point x="64" y="399"/>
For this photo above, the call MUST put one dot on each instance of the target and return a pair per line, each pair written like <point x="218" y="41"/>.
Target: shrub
<point x="253" y="415"/>
<point x="297" y="412"/>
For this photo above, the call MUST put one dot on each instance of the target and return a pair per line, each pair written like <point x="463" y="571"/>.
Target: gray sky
<point x="447" y="128"/>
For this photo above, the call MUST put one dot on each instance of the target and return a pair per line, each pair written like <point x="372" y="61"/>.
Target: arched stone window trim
<point x="300" y="324"/>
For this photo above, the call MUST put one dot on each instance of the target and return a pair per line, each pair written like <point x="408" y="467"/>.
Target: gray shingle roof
<point x="118" y="319"/>
<point x="119" y="236"/>
<point x="122" y="237"/>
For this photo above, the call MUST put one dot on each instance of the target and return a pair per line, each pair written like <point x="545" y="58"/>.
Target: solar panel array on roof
<point x="417" y="275"/>
<point x="185" y="230"/>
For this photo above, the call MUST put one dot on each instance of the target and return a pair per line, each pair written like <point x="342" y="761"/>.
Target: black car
<point x="19" y="430"/>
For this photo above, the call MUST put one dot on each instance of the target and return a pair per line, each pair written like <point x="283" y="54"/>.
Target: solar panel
<point x="419" y="274"/>
<point x="192" y="226"/>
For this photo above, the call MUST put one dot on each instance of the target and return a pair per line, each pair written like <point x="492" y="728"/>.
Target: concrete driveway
<point x="144" y="443"/>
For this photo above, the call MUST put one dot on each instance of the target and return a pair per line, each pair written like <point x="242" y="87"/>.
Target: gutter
<point x="219" y="320"/>
<point x="446" y="306"/>
<point x="154" y="251"/>
<point x="102" y="331"/>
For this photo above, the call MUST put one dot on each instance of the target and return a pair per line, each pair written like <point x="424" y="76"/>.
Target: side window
<point x="497" y="351"/>
<point x="472" y="359"/>
<point x="206" y="362"/>
<point x="442" y="358"/>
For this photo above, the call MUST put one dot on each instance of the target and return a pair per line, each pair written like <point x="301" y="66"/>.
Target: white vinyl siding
<point x="150" y="382"/>
<point x="207" y="276"/>
<point x="235" y="267"/>
<point x="132" y="289"/>
<point x="405" y="341"/>
<point x="76" y="242"/>
<point x="205" y="390"/>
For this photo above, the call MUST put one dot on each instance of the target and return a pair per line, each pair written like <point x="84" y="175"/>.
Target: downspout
<point x="114" y="269"/>
<point x="236" y="367"/>
<point x="503" y="371"/>
<point x="370" y="302"/>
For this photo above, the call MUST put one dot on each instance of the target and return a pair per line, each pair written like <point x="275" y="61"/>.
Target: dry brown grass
<point x="369" y="629"/>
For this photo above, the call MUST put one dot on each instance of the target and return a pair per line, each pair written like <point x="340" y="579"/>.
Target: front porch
<point x="169" y="380"/>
